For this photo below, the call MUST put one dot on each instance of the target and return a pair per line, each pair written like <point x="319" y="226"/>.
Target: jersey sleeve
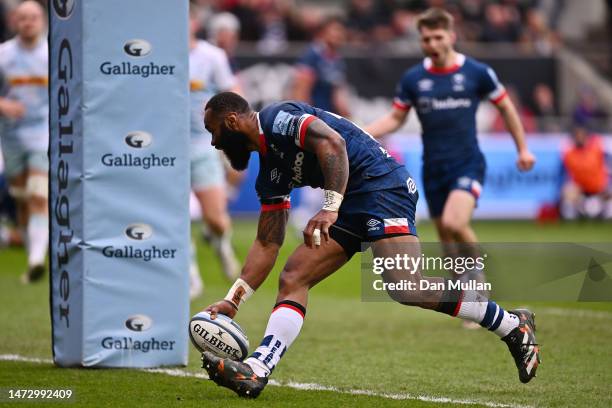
<point x="272" y="196"/>
<point x="288" y="126"/>
<point x="490" y="87"/>
<point x="404" y="97"/>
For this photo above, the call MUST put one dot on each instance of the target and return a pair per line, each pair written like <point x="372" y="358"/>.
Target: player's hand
<point x="525" y="160"/>
<point x="12" y="109"/>
<point x="321" y="222"/>
<point x="223" y="307"/>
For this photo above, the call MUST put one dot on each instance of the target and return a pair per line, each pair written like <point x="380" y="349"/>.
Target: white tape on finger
<point x="316" y="237"/>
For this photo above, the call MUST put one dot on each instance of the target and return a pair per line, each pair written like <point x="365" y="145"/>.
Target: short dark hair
<point x="226" y="102"/>
<point x="434" y="18"/>
<point x="328" y="21"/>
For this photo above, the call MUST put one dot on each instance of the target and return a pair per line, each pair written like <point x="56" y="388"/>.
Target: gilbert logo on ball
<point x="221" y="336"/>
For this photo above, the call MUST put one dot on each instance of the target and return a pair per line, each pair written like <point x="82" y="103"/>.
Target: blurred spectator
<point x="536" y="35"/>
<point x="502" y="24"/>
<point x="320" y="77"/>
<point x="586" y="191"/>
<point x="224" y="32"/>
<point x="545" y="109"/>
<point x="526" y="115"/>
<point x="587" y="111"/>
<point x="369" y="20"/>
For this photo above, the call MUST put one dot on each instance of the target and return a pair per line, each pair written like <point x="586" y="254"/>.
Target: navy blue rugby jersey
<point x="446" y="101"/>
<point x="284" y="164"/>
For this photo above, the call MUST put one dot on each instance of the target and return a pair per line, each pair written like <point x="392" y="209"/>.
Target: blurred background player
<point x="320" y="80"/>
<point x="445" y="90"/>
<point x="25" y="113"/>
<point x="209" y="73"/>
<point x="586" y="191"/>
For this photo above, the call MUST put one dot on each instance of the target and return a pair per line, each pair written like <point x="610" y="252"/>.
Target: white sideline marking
<point x="175" y="372"/>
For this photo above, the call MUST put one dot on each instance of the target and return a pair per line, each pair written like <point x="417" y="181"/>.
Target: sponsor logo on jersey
<point x="426" y="105"/>
<point x="425" y="85"/>
<point x="412" y="188"/>
<point x="297" y="168"/>
<point x="374" y="225"/>
<point x="458" y="82"/>
<point x="275" y="176"/>
<point x="139" y="323"/>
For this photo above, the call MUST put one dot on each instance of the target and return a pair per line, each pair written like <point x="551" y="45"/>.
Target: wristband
<point x="239" y="293"/>
<point x="333" y="200"/>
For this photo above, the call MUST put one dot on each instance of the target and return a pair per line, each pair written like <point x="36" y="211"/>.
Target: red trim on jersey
<point x="500" y="97"/>
<point x="303" y="128"/>
<point x="288" y="307"/>
<point x="456" y="311"/>
<point x="444" y="70"/>
<point x="400" y="105"/>
<point x="263" y="149"/>
<point x="285" y="205"/>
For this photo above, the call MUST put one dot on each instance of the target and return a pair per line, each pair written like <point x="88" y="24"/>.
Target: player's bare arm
<point x="526" y="159"/>
<point x="260" y="259"/>
<point x="330" y="149"/>
<point x="388" y="123"/>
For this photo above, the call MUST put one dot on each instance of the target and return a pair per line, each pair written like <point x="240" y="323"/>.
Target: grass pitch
<point x="349" y="353"/>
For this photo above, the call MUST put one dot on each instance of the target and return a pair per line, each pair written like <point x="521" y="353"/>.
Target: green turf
<point x="345" y="343"/>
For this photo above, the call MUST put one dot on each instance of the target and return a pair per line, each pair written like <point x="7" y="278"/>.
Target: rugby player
<point x="209" y="73"/>
<point x="445" y="90"/>
<point x="369" y="197"/>
<point x="24" y="107"/>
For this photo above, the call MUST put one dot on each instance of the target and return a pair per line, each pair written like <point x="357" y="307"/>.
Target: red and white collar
<point x="459" y="61"/>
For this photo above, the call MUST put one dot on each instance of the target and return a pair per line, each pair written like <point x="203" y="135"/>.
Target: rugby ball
<point x="221" y="336"/>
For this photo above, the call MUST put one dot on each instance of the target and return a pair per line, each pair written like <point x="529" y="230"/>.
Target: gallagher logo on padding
<point x="138" y="139"/>
<point x="63" y="8"/>
<point x="139" y="323"/>
<point x="139" y="232"/>
<point x="137" y="48"/>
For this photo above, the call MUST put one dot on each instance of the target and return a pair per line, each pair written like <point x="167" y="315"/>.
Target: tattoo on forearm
<point x="334" y="172"/>
<point x="271" y="226"/>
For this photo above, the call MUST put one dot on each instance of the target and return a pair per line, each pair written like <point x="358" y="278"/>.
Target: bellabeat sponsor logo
<point x="214" y="342"/>
<point x="139" y="232"/>
<point x="62" y="129"/>
<point x="137" y="48"/>
<point x="63" y="8"/>
<point x="128" y="343"/>
<point x="426" y="105"/>
<point x="139" y="323"/>
<point x="138" y="139"/>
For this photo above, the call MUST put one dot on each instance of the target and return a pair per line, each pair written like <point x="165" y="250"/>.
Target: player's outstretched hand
<point x="526" y="160"/>
<point x="318" y="227"/>
<point x="224" y="307"/>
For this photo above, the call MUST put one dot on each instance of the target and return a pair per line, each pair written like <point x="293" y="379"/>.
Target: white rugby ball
<point x="221" y="336"/>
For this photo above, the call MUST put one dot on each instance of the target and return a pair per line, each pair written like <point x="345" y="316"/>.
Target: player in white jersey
<point x="24" y="110"/>
<point x="209" y="73"/>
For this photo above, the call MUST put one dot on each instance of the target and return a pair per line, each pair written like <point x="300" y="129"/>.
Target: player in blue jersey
<point x="445" y="91"/>
<point x="369" y="198"/>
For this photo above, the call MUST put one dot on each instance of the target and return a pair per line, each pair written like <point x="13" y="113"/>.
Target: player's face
<point x="29" y="21"/>
<point x="437" y="44"/>
<point x="233" y="143"/>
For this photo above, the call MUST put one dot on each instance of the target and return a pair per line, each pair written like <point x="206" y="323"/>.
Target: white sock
<point x="476" y="308"/>
<point x="38" y="238"/>
<point x="283" y="327"/>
